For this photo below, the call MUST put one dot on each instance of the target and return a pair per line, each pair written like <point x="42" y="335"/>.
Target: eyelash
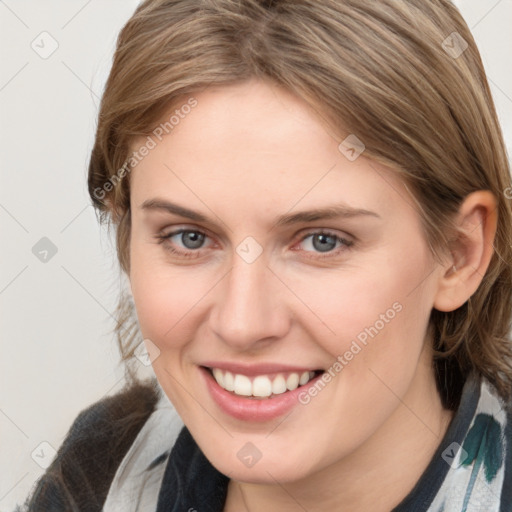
<point x="164" y="239"/>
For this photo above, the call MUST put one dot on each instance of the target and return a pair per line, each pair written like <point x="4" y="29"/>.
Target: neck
<point x="377" y="476"/>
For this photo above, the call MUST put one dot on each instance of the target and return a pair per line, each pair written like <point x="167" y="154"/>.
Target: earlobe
<point x="471" y="251"/>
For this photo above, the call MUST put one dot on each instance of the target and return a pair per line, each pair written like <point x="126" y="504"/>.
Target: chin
<point x="269" y="469"/>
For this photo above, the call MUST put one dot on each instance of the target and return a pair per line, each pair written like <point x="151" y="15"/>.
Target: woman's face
<point x="262" y="253"/>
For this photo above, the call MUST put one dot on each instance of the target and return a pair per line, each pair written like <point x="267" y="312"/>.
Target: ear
<point x="471" y="251"/>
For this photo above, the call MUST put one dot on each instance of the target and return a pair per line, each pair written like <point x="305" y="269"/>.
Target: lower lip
<point x="254" y="410"/>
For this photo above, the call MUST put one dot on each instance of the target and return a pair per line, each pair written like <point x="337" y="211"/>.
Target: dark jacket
<point x="472" y="463"/>
<point x="79" y="477"/>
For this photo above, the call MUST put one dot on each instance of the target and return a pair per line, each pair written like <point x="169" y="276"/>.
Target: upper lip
<point x="257" y="369"/>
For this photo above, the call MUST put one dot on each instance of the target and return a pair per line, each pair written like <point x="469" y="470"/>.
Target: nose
<point x="250" y="309"/>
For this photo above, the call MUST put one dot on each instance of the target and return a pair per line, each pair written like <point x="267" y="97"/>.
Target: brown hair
<point x="396" y="73"/>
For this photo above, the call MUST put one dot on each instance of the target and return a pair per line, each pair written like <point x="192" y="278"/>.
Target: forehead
<point x="260" y="142"/>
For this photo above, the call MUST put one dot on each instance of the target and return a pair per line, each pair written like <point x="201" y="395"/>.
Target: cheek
<point x="165" y="298"/>
<point x="375" y="315"/>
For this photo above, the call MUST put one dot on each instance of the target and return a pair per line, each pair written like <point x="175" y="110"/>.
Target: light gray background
<point x="57" y="351"/>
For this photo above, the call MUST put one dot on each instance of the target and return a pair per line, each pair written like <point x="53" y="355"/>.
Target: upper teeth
<point x="262" y="385"/>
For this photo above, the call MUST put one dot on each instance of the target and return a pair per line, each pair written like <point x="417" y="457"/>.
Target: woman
<point x="312" y="207"/>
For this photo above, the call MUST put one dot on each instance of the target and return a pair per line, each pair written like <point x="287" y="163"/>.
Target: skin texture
<point x="245" y="155"/>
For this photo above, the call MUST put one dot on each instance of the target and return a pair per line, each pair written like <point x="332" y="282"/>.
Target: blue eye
<point x="191" y="241"/>
<point x="188" y="243"/>
<point x="325" y="242"/>
<point x="322" y="242"/>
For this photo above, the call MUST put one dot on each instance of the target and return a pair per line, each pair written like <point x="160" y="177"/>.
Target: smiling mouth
<point x="261" y="386"/>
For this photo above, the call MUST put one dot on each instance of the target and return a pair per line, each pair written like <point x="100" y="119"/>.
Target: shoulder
<point x="80" y="475"/>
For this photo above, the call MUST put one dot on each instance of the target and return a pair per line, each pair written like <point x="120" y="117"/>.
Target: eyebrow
<point x="329" y="212"/>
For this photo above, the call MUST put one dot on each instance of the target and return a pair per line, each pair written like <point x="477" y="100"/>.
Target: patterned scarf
<point x="471" y="471"/>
